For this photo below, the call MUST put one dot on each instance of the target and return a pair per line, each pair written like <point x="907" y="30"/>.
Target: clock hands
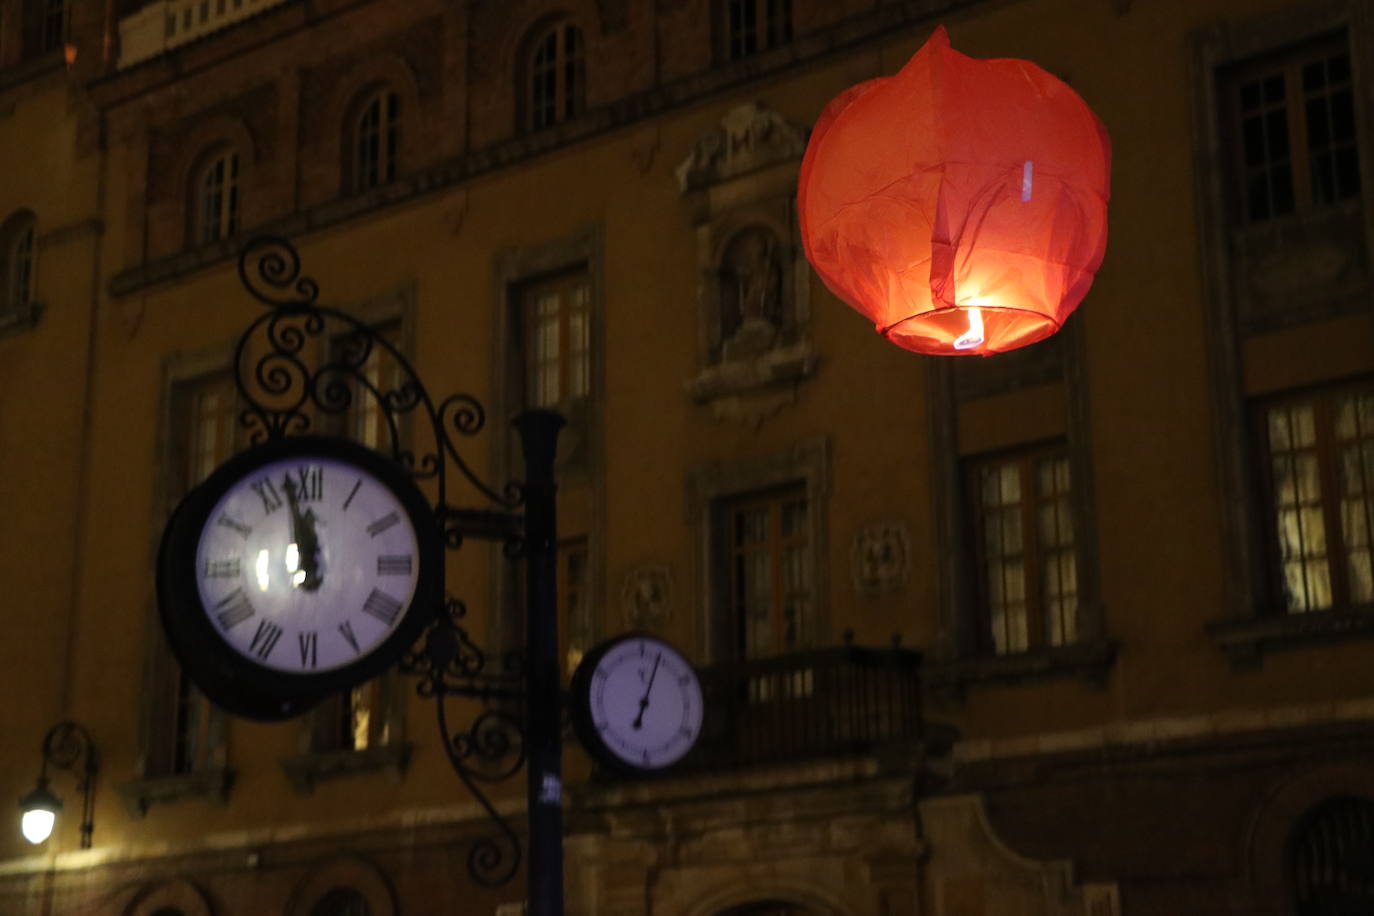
<point x="644" y="700"/>
<point x="306" y="539"/>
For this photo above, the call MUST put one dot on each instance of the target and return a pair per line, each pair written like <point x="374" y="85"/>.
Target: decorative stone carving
<point x="647" y="598"/>
<point x="750" y="137"/>
<point x="881" y="558"/>
<point x="739" y="182"/>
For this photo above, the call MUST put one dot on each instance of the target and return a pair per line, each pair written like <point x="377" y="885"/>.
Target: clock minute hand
<point x="644" y="700"/>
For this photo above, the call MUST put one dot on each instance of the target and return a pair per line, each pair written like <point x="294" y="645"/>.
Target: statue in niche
<point x="751" y="308"/>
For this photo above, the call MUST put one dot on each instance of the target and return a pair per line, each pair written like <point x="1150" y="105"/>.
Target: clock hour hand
<point x="644" y="700"/>
<point x="306" y="539"/>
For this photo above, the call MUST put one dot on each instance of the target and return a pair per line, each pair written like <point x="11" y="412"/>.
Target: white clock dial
<point x="307" y="564"/>
<point x="644" y="702"/>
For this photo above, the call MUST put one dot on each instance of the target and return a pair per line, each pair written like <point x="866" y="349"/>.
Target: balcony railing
<point x="823" y="703"/>
<point x="161" y="26"/>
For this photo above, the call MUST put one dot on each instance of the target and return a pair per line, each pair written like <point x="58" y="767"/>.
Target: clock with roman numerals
<point x="301" y="567"/>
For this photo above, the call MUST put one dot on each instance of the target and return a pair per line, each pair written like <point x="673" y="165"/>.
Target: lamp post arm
<point x="65" y="746"/>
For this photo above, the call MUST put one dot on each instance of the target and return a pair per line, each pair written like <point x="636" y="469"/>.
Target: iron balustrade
<point x="843" y="701"/>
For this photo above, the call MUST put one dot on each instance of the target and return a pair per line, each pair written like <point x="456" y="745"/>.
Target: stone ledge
<point x="1246" y="641"/>
<point x="1089" y="660"/>
<point x="142" y="794"/>
<point x="305" y="771"/>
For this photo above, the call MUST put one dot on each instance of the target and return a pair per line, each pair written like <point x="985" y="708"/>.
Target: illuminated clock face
<point x="640" y="703"/>
<point x="303" y="566"/>
<point x="306" y="564"/>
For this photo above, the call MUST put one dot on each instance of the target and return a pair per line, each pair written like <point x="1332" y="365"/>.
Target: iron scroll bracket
<point x="301" y="367"/>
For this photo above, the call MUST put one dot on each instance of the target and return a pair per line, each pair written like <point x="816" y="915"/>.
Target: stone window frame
<point x="390" y="134"/>
<point x="526" y="109"/>
<point x="214" y="781"/>
<point x="19" y="315"/>
<point x="726" y="39"/>
<point x="223" y="133"/>
<point x="959" y="661"/>
<point x="1246" y="629"/>
<point x="304" y="771"/>
<point x="229" y="196"/>
<point x="581" y="459"/>
<point x="343" y="105"/>
<point x="708" y="489"/>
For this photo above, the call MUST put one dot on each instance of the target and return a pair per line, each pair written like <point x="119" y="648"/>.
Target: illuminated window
<point x="557" y="334"/>
<point x="205" y="425"/>
<point x="360" y="718"/>
<point x="752" y="26"/>
<point x="216" y="206"/>
<point x="17" y="269"/>
<point x="574" y="627"/>
<point x="1292" y="120"/>
<point x="1320" y="471"/>
<point x="1027" y="564"/>
<point x="770" y="581"/>
<point x="556" y="74"/>
<point x="376" y="140"/>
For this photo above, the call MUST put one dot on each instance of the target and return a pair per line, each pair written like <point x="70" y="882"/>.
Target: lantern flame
<point x="973" y="337"/>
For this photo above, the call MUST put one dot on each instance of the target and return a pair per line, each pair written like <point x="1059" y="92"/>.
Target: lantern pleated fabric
<point x="960" y="204"/>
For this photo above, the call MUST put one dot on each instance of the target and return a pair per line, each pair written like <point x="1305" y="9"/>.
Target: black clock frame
<point x="580" y="694"/>
<point x="236" y="682"/>
<point x="302" y="366"/>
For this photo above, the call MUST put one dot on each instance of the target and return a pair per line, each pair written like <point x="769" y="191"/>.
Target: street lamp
<point x="64" y="747"/>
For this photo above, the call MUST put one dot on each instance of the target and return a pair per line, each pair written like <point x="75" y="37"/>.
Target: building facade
<point x="1079" y="629"/>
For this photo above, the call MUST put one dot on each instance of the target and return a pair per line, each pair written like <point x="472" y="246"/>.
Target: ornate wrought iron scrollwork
<point x="300" y="363"/>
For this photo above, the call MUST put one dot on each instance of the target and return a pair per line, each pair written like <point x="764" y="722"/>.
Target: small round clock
<point x="299" y="568"/>
<point x="637" y="704"/>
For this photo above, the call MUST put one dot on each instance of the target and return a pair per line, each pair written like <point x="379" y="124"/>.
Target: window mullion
<point x="1030" y="554"/>
<point x="1328" y="454"/>
<point x="1299" y="159"/>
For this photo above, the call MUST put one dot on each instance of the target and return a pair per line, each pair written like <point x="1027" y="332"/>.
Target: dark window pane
<point x="1323" y="179"/>
<point x="1314" y="76"/>
<point x="1249" y="96"/>
<point x="1282" y="190"/>
<point x="1318" y="126"/>
<point x="1252" y="133"/>
<point x="1342" y="115"/>
<point x="1273" y="88"/>
<point x="1276" y="132"/>
<point x="1338" y="68"/>
<point x="1347" y="173"/>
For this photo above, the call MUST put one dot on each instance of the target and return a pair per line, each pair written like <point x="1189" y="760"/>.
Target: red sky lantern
<point x="961" y="204"/>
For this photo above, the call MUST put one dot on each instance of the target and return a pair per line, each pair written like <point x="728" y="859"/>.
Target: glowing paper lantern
<point x="960" y="204"/>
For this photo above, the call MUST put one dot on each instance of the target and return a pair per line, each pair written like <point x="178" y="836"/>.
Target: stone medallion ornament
<point x="880" y="554"/>
<point x="647" y="597"/>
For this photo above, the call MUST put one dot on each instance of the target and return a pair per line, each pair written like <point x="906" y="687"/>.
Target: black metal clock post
<point x="544" y="729"/>
<point x="302" y="363"/>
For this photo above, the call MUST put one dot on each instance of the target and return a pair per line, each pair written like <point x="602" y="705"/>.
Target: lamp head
<point x="39" y="812"/>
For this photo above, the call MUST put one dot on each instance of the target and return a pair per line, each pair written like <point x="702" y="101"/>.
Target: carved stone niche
<point x="753" y="341"/>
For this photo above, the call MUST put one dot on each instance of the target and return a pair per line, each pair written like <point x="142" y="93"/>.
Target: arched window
<point x="556" y="85"/>
<point x="375" y="140"/>
<point x="17" y="247"/>
<point x="168" y="911"/>
<point x="766" y="908"/>
<point x="215" y="206"/>
<point x="1331" y="858"/>
<point x="341" y="901"/>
